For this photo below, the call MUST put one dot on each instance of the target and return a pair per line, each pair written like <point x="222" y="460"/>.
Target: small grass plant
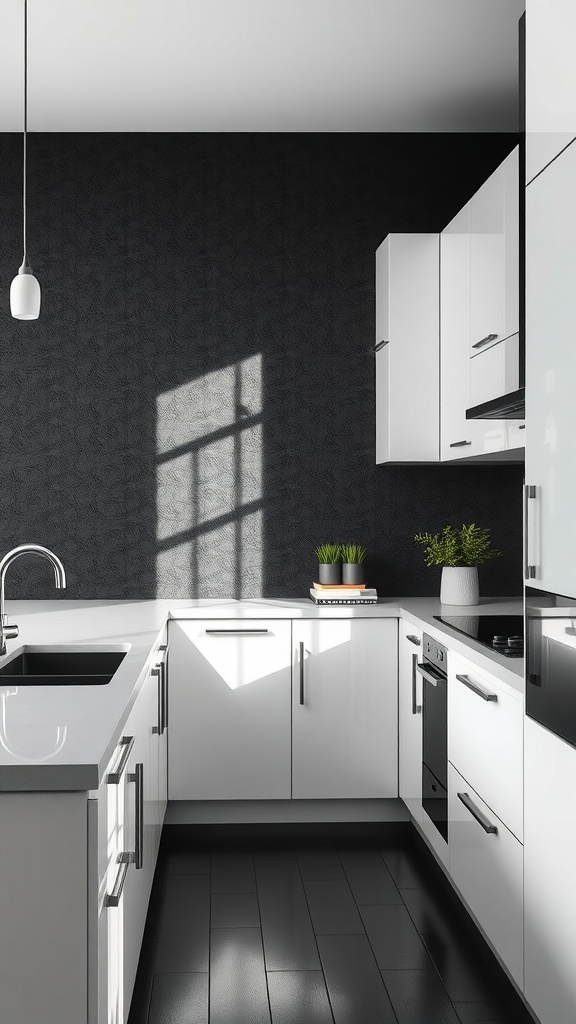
<point x="352" y="554"/>
<point x="328" y="554"/>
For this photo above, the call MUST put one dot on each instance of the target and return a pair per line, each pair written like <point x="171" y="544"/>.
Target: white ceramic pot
<point x="459" y="584"/>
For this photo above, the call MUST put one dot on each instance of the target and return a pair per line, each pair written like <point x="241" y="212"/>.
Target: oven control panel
<point x="434" y="652"/>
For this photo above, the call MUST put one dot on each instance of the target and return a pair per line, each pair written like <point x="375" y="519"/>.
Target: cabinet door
<point x="551" y="372"/>
<point x="407" y="368"/>
<point x="487" y="262"/>
<point x="486" y="865"/>
<point x="550" y="81"/>
<point x="410" y="719"/>
<point x="511" y="244"/>
<point x="549" y="879"/>
<point x="230" y="686"/>
<point x="344" y="711"/>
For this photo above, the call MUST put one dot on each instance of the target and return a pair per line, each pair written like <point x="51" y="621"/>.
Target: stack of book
<point x="343" y="593"/>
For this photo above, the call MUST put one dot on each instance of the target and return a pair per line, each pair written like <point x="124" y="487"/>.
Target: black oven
<point x="551" y="662"/>
<point x="432" y="668"/>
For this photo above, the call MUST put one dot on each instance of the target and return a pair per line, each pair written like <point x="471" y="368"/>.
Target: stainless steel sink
<point x="61" y="667"/>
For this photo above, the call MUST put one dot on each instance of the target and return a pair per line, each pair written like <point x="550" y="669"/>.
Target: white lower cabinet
<point x="230" y="685"/>
<point x="344" y="708"/>
<point x="549" y="875"/>
<point x="486" y="865"/>
<point x="410" y="719"/>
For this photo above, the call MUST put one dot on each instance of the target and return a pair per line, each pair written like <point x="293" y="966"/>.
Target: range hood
<point x="507" y="407"/>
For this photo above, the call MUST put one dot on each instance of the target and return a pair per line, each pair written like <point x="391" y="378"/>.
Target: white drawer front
<point x="487" y="868"/>
<point x="485" y="739"/>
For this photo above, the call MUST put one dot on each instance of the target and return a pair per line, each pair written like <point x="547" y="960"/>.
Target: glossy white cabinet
<point x="549" y="877"/>
<point x="550" y="374"/>
<point x="344" y="708"/>
<point x="410" y="719"/>
<point x="486" y="865"/>
<point x="550" y="81"/>
<point x="407" y="348"/>
<point x="485" y="728"/>
<point x="230" y="695"/>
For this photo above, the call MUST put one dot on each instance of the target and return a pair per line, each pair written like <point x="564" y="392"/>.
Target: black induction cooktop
<point x="502" y="633"/>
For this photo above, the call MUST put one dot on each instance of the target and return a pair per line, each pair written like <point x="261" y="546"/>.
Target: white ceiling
<point x="262" y="65"/>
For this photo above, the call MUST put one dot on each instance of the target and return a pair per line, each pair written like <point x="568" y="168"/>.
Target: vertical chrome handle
<point x="112" y="899"/>
<point x="157" y="671"/>
<point x="529" y="569"/>
<point x="301" y="653"/>
<point x="416" y="708"/>
<point x="138" y="777"/>
<point x="164" y="698"/>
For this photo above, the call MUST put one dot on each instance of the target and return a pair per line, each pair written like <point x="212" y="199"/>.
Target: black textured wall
<point x="194" y="410"/>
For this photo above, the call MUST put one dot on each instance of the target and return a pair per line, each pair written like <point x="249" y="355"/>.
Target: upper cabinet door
<point x="511" y="244"/>
<point x="550" y="374"/>
<point x="550" y="81"/>
<point x="487" y="263"/>
<point x="407" y="348"/>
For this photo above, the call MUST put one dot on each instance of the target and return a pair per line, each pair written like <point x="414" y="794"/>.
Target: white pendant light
<point x="25" y="289"/>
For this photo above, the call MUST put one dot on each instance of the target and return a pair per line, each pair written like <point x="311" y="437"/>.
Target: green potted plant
<point x="352" y="556"/>
<point x="329" y="564"/>
<point x="459" y="552"/>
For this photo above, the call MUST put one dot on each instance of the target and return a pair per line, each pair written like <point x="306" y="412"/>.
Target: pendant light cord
<point x="25" y="261"/>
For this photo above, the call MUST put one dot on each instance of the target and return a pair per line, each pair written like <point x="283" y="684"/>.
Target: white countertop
<point x="62" y="737"/>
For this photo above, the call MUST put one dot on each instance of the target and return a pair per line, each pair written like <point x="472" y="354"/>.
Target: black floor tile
<point x="179" y="999"/>
<point x="298" y="997"/>
<point x="369" y="878"/>
<point x="274" y="853"/>
<point x="332" y="907"/>
<point x="355" y="985"/>
<point x="238" y="990"/>
<point x="234" y="910"/>
<point x="407" y="867"/>
<point x="233" y="872"/>
<point x="289" y="941"/>
<point x="418" y="997"/>
<point x="182" y="863"/>
<point x="319" y="863"/>
<point x="183" y="939"/>
<point x="396" y="943"/>
<point x="478" y="1013"/>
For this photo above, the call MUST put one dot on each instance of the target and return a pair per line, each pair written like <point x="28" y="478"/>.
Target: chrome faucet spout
<point x="11" y="631"/>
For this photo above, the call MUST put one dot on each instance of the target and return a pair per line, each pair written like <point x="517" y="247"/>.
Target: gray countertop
<point x="56" y="738"/>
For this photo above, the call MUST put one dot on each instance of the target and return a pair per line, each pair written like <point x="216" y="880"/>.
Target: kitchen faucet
<point x="9" y="632"/>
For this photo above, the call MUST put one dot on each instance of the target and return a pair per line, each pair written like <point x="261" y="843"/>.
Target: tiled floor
<point x="314" y="935"/>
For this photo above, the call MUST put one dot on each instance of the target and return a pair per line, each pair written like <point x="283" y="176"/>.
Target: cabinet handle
<point x="413" y="639"/>
<point x="113" y="779"/>
<point x="157" y="729"/>
<point x="416" y="708"/>
<point x="530" y="570"/>
<point x="112" y="899"/>
<point x="236" y="632"/>
<point x="137" y="776"/>
<point x="459" y="444"/>
<point x="301" y="663"/>
<point x="423" y="670"/>
<point x="381" y="344"/>
<point x="164" y="698"/>
<point x="485" y="341"/>
<point x="485" y="694"/>
<point x="477" y="813"/>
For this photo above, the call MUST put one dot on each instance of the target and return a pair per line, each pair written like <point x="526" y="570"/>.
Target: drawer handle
<point x="236" y="632"/>
<point x="477" y="813"/>
<point x="138" y="778"/>
<point x="157" y="671"/>
<point x="381" y="344"/>
<point x="459" y="444"/>
<point x="416" y="708"/>
<point x="485" y="694"/>
<point x="113" y="779"/>
<point x="413" y="639"/>
<point x="112" y="899"/>
<point x="301" y="660"/>
<point x="485" y="341"/>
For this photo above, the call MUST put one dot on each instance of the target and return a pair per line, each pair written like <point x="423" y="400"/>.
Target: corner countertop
<point x="62" y="738"/>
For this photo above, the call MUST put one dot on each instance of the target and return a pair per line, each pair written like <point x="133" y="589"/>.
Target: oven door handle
<point x="426" y="674"/>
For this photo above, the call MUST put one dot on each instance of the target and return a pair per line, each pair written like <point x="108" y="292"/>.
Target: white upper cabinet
<point x="487" y="263"/>
<point x="550" y="374"/>
<point x="550" y="81"/>
<point x="407" y="348"/>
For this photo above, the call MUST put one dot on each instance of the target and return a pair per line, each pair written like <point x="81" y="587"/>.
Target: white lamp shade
<point x="25" y="297"/>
